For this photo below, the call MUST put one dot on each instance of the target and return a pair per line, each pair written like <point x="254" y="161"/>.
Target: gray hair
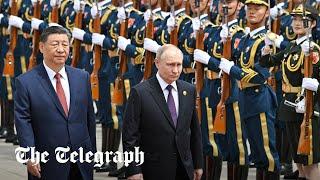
<point x="161" y="51"/>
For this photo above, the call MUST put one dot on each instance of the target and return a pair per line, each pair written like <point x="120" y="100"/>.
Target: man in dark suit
<point x="161" y="119"/>
<point x="53" y="108"/>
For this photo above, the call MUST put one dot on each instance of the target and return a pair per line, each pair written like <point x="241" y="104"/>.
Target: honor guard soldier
<point x="231" y="144"/>
<point x="300" y="59"/>
<point x="257" y="101"/>
<point x="18" y="19"/>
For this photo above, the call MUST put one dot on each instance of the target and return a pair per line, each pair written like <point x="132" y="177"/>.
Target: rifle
<point x="8" y="69"/>
<point x="220" y="120"/>
<point x="304" y="140"/>
<point x="187" y="7"/>
<point x="55" y="14"/>
<point x="35" y="38"/>
<point x="148" y="54"/>
<point x="274" y="26"/>
<point x="119" y="90"/>
<point x="137" y="4"/>
<point x="164" y="6"/>
<point x="174" y="32"/>
<point x="97" y="58"/>
<point x="77" y="43"/>
<point x="199" y="74"/>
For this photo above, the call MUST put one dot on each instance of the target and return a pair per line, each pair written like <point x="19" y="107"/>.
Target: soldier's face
<point x="55" y="50"/>
<point x="203" y="5"/>
<point x="176" y="2"/>
<point x="169" y="66"/>
<point x="256" y="13"/>
<point x="233" y="6"/>
<point x="298" y="27"/>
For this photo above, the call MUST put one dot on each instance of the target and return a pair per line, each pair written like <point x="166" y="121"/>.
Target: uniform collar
<point x="203" y="17"/>
<point x="179" y="11"/>
<point x="156" y="11"/>
<point x="231" y="23"/>
<point x="128" y="5"/>
<point x="103" y="4"/>
<point x="254" y="32"/>
<point x="301" y="39"/>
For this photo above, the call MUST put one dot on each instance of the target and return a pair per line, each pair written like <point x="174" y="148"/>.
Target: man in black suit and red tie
<point x="161" y="119"/>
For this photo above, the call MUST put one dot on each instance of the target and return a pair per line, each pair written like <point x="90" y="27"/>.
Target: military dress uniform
<point x="183" y="24"/>
<point x="291" y="60"/>
<point x="231" y="145"/>
<point x="21" y="53"/>
<point x="257" y="101"/>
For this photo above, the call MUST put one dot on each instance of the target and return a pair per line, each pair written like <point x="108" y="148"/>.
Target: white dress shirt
<point x="174" y="91"/>
<point x="64" y="81"/>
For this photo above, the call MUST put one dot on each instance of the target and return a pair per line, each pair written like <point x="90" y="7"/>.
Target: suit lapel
<point x="72" y="89"/>
<point x="47" y="85"/>
<point x="182" y="94"/>
<point x="160" y="100"/>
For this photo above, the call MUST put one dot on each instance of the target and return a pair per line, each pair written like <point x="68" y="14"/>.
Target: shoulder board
<point x="105" y="16"/>
<point x="157" y="16"/>
<point x="208" y="23"/>
<point x="63" y="6"/>
<point x="112" y="7"/>
<point x="235" y="29"/>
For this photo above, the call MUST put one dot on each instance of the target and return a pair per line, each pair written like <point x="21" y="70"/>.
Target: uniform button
<point x="256" y="90"/>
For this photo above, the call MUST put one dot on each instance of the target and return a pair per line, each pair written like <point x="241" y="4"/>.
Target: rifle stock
<point x="55" y="14"/>
<point x="119" y="90"/>
<point x="220" y="120"/>
<point x="304" y="140"/>
<point x="77" y="43"/>
<point x="97" y="61"/>
<point x="199" y="75"/>
<point x="174" y="32"/>
<point x="35" y="38"/>
<point x="148" y="54"/>
<point x="8" y="69"/>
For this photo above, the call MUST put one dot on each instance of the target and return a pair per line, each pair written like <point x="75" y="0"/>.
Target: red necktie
<point x="60" y="93"/>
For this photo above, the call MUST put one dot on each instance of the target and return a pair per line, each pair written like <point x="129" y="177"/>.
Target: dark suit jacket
<point x="42" y="123"/>
<point x="148" y="124"/>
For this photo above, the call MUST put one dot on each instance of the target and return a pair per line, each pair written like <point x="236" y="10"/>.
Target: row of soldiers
<point x="230" y="54"/>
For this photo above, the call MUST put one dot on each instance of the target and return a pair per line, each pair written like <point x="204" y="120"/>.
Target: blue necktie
<point x="171" y="105"/>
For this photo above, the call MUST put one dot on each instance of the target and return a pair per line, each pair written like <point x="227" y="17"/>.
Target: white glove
<point x="97" y="39"/>
<point x="201" y="56"/>
<point x="278" y="41"/>
<point x="34" y="2"/>
<point x="35" y="23"/>
<point x="301" y="108"/>
<point x="147" y="15"/>
<point x="196" y="24"/>
<point x="306" y="46"/>
<point x="78" y="33"/>
<point x="54" y="3"/>
<point x="1" y="16"/>
<point x="15" y="21"/>
<point x="171" y="23"/>
<point x="225" y="65"/>
<point x="224" y="32"/>
<point x="121" y="14"/>
<point x="94" y="11"/>
<point x="310" y="84"/>
<point x="151" y="45"/>
<point x="76" y="5"/>
<point x="276" y="11"/>
<point x="123" y="43"/>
